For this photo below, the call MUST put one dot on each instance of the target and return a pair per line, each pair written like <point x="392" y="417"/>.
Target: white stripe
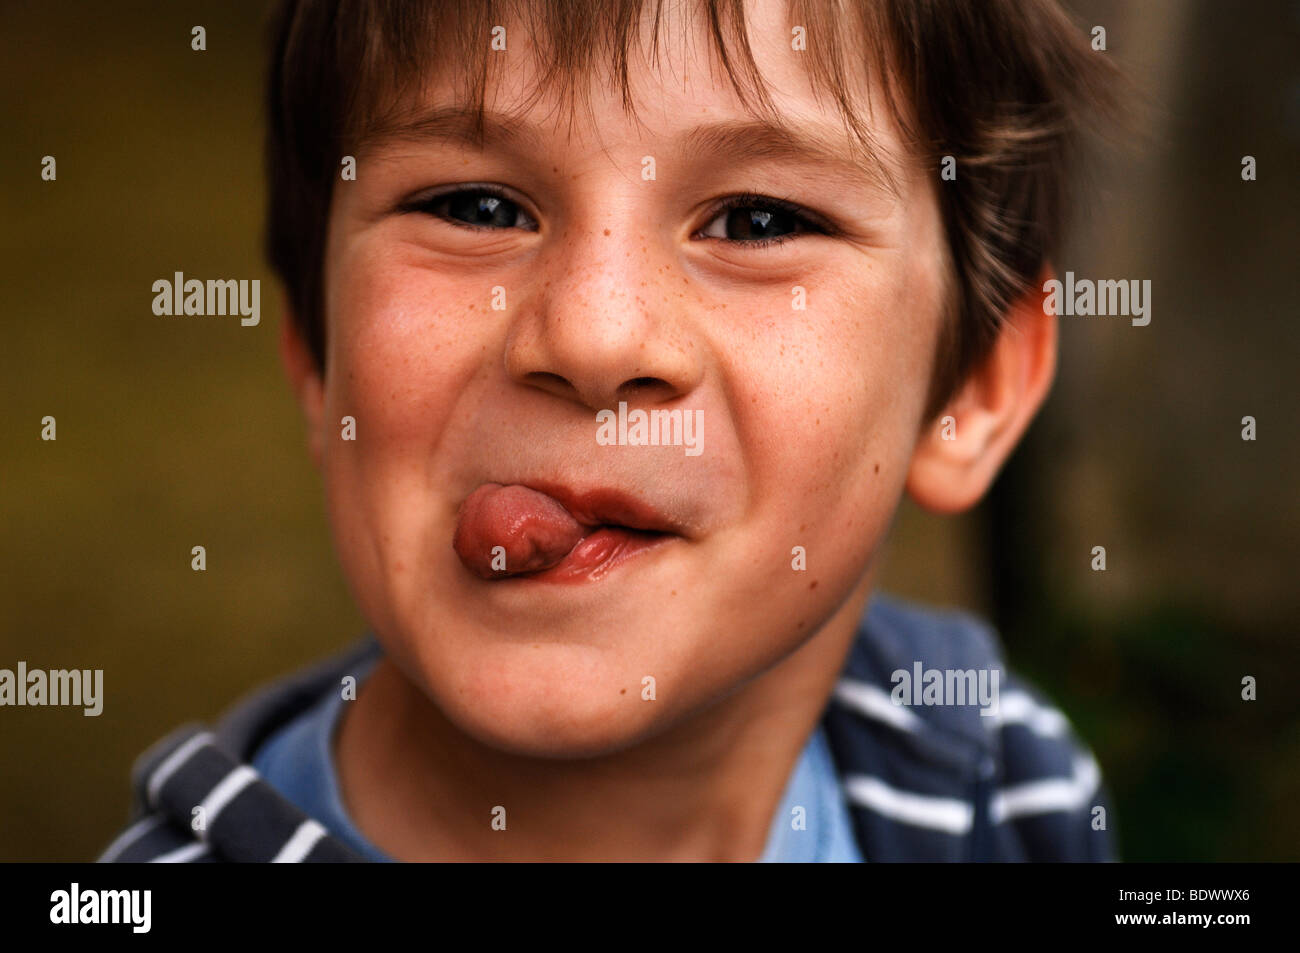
<point x="221" y="795"/>
<point x="300" y="844"/>
<point x="181" y="855"/>
<point x="872" y="702"/>
<point x="920" y="810"/>
<point x="1018" y="708"/>
<point x="129" y="837"/>
<point x="1048" y="796"/>
<point x="172" y="763"/>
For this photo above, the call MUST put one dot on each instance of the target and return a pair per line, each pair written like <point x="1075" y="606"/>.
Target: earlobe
<point x="959" y="453"/>
<point x="305" y="379"/>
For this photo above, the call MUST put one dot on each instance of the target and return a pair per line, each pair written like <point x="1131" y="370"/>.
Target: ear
<point x="960" y="452"/>
<point x="305" y="380"/>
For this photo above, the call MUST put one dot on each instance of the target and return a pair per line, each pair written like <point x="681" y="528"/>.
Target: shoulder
<point x="999" y="774"/>
<point x="194" y="767"/>
<point x="1050" y="802"/>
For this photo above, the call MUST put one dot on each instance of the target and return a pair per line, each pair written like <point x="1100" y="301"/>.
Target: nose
<point x="598" y="325"/>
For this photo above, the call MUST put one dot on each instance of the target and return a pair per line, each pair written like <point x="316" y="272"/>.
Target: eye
<point x="759" y="220"/>
<point x="477" y="207"/>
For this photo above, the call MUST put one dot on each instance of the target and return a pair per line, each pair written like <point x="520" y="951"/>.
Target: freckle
<point x="607" y="231"/>
<point x="803" y="527"/>
<point x="877" y="467"/>
<point x="802" y="623"/>
<point x="622" y="691"/>
<point x="674" y="592"/>
<point x="813" y="584"/>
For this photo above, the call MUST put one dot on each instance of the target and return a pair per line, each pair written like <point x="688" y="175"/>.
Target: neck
<point x="420" y="789"/>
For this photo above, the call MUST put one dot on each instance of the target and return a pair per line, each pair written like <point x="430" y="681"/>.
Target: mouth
<point x="551" y="533"/>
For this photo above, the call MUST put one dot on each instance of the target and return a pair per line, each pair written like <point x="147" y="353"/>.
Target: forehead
<point x="756" y="75"/>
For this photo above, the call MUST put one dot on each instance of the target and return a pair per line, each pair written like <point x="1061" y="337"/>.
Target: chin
<point x="552" y="705"/>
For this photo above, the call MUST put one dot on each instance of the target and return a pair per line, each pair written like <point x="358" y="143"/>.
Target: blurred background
<point x="178" y="433"/>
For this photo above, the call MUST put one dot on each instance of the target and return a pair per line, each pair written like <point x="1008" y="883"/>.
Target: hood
<point x="923" y="782"/>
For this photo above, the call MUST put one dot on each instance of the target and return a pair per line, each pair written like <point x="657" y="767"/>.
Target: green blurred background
<point x="174" y="433"/>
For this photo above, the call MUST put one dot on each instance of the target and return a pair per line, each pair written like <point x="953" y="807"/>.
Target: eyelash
<point x="427" y="204"/>
<point x="808" y="222"/>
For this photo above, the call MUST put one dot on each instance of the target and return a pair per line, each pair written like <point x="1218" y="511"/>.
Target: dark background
<point x="176" y="433"/>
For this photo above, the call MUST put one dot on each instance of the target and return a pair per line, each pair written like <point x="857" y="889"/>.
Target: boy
<point x="620" y="329"/>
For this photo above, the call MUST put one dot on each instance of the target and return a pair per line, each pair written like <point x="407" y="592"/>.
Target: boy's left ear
<point x="961" y="450"/>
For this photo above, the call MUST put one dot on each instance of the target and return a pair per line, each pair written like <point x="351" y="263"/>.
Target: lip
<point x="620" y="529"/>
<point x="608" y="507"/>
<point x="596" y="555"/>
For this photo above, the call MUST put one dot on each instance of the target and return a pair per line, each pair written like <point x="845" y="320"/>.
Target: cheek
<point x="401" y="343"/>
<point x="828" y="405"/>
<point x="403" y="348"/>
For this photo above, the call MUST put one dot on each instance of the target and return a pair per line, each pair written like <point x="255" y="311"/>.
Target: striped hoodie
<point x="930" y="782"/>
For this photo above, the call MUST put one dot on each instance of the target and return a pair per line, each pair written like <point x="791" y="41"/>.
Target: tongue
<point x="535" y="531"/>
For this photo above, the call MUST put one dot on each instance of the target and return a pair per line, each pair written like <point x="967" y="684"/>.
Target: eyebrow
<point x="764" y="140"/>
<point x="458" y="124"/>
<point x="753" y="140"/>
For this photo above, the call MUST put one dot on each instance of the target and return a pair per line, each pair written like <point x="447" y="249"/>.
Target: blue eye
<point x="476" y="207"/>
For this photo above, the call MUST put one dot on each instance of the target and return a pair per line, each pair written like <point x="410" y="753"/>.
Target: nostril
<point x="639" y="384"/>
<point x="551" y="383"/>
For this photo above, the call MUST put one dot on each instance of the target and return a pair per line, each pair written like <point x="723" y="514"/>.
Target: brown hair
<point x="1005" y="87"/>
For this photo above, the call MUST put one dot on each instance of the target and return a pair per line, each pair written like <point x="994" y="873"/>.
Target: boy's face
<point x="808" y="358"/>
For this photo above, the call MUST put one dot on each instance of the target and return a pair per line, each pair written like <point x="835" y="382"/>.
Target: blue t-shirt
<point x="298" y="760"/>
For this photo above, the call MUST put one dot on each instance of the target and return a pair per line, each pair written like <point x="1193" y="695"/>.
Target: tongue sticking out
<point x="535" y="531"/>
